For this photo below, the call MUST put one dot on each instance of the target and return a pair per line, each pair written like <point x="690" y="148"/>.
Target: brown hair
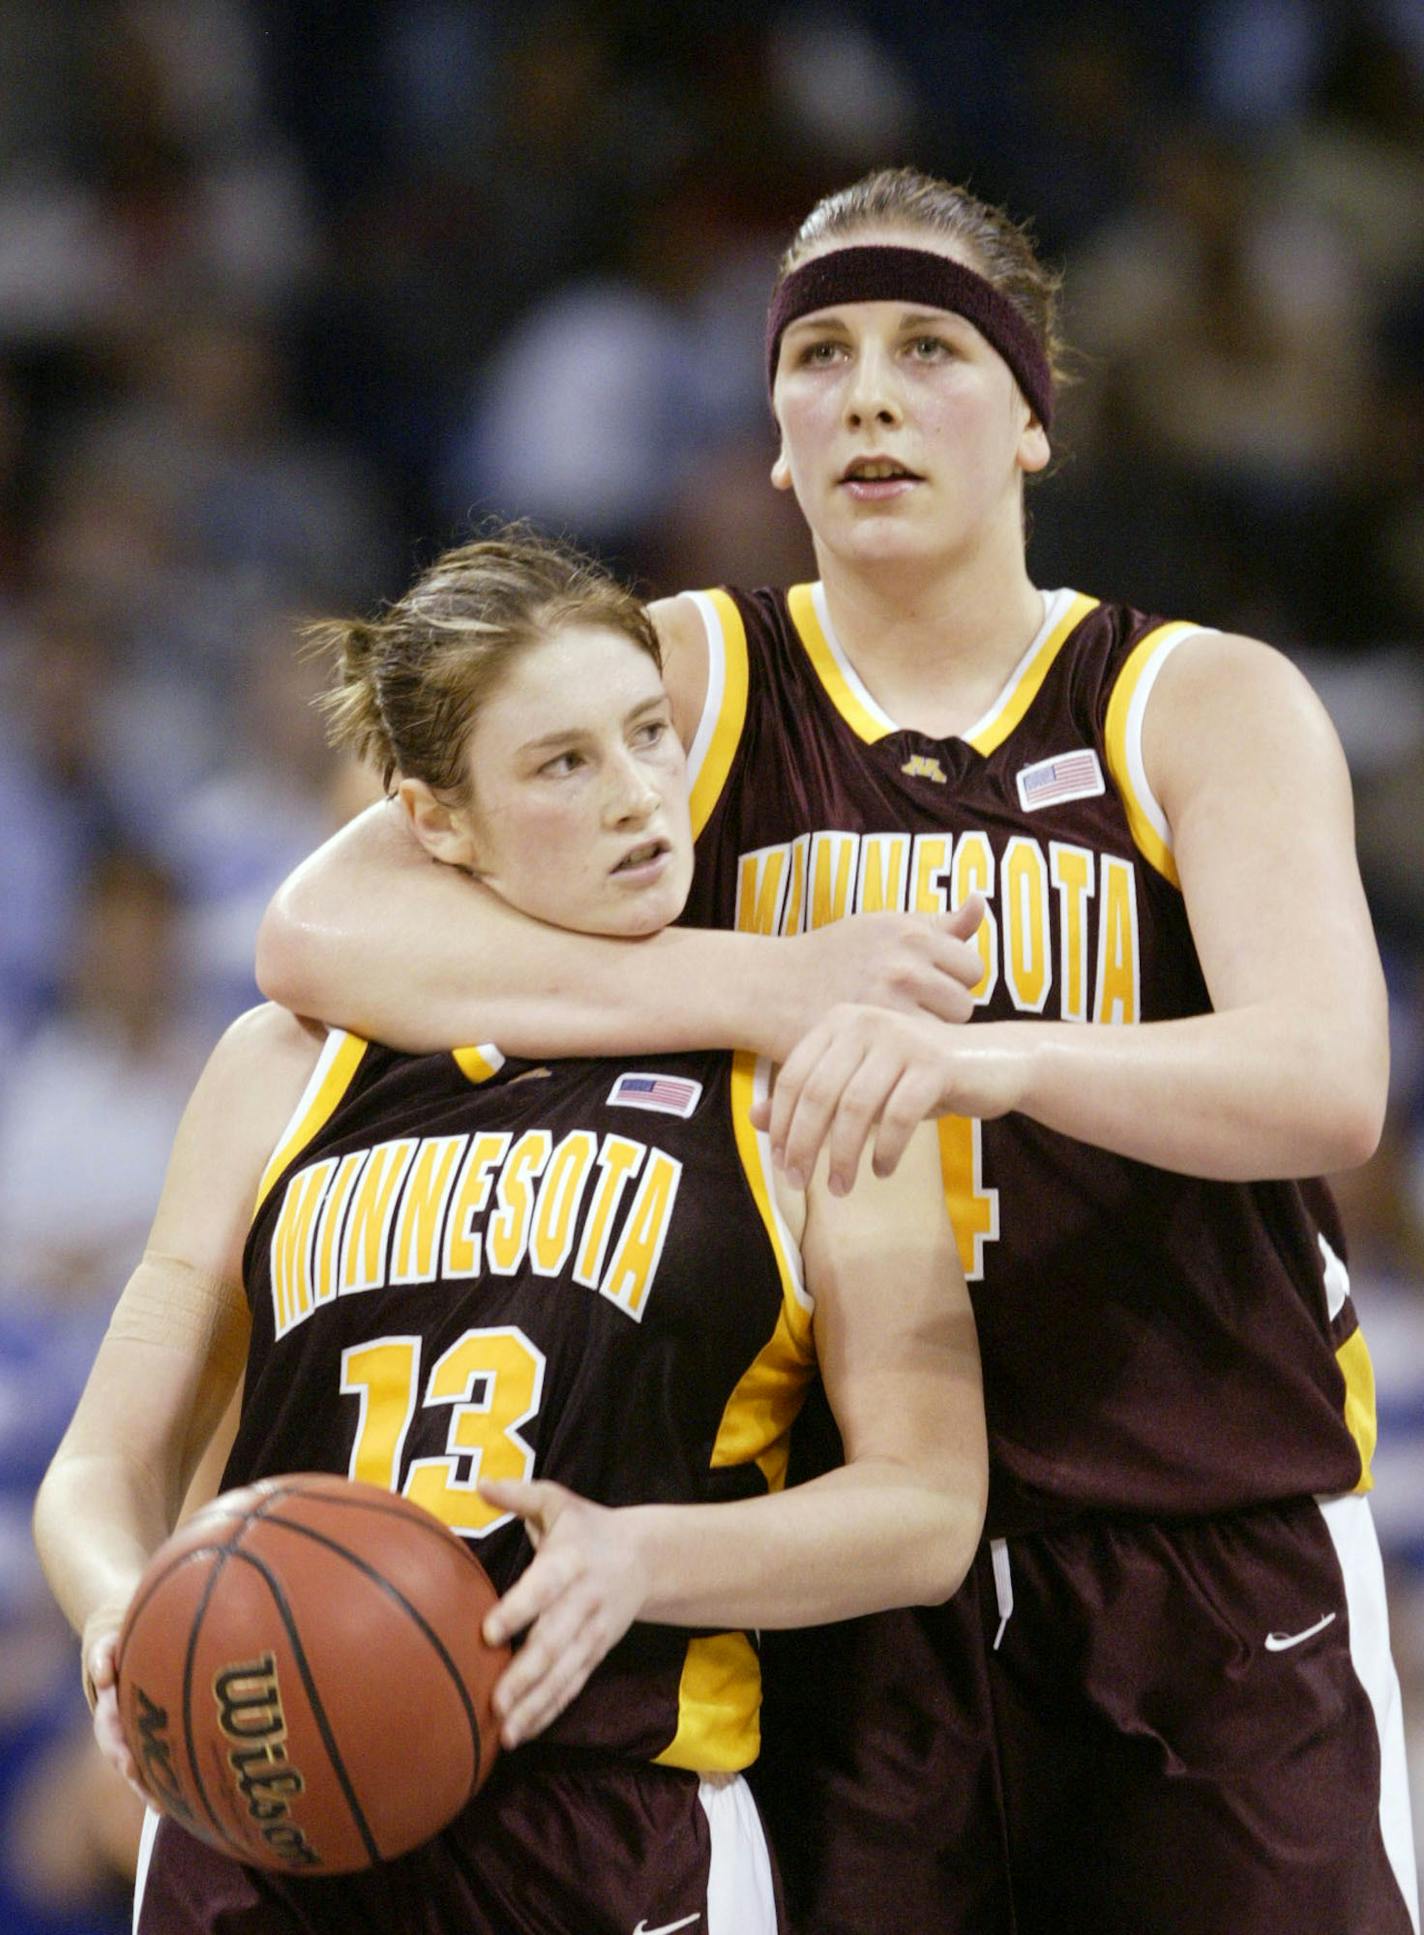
<point x="411" y="682"/>
<point x="1001" y="249"/>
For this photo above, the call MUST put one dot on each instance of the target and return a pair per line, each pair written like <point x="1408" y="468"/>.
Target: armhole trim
<point x="1127" y="709"/>
<point x="333" y="1075"/>
<point x="724" y="711"/>
<point x="479" y="1064"/>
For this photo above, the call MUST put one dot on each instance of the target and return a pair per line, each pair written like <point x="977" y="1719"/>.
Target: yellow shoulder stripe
<point x="1023" y="687"/>
<point x="478" y="1064"/>
<point x="831" y="670"/>
<point x="719" y="732"/>
<point x="1126" y="709"/>
<point x="330" y="1079"/>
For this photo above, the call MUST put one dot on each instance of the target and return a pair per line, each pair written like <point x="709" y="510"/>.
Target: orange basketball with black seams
<point x="301" y="1675"/>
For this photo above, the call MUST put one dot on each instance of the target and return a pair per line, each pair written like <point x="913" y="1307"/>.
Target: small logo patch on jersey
<point x="922" y="766"/>
<point x="666" y="1094"/>
<point x="1067" y="776"/>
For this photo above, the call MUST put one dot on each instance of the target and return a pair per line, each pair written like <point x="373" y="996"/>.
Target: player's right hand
<point x="101" y="1681"/>
<point x="916" y="963"/>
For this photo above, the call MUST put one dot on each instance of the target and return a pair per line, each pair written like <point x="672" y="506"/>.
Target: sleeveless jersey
<point x="462" y="1266"/>
<point x="1151" y="1343"/>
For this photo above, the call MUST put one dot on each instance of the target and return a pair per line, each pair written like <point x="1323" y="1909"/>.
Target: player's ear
<point x="781" y="470"/>
<point x="443" y="830"/>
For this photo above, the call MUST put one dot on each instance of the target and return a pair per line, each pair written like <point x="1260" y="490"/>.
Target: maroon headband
<point x="914" y="275"/>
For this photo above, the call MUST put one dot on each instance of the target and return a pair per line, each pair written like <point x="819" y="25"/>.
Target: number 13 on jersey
<point x="492" y="1380"/>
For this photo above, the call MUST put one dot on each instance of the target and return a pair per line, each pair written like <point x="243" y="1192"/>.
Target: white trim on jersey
<point x="1352" y="1532"/>
<point x="787" y="1243"/>
<point x="145" y="1855"/>
<point x="716" y="685"/>
<point x="848" y="671"/>
<point x="1055" y="604"/>
<point x="1136" y="713"/>
<point x="741" y="1898"/>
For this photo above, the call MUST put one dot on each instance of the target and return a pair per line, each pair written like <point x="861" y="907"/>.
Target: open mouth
<point x="878" y="470"/>
<point x="642" y="856"/>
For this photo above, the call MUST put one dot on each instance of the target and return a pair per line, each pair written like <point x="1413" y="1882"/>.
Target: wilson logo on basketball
<point x="157" y="1756"/>
<point x="249" y="1703"/>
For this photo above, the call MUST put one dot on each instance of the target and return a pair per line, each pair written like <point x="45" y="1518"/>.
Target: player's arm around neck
<point x="176" y="1343"/>
<point x="1286" y="1075"/>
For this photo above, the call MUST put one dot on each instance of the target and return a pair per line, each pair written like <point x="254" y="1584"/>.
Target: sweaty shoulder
<point x="683" y="638"/>
<point x="1221" y="697"/>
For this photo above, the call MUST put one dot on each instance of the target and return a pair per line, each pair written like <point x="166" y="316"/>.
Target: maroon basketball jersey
<point x="462" y="1267"/>
<point x="1151" y="1342"/>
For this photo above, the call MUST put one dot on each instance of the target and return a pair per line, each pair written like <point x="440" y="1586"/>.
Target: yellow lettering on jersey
<point x="328" y="1232"/>
<point x="382" y="1376"/>
<point x="1118" y="965"/>
<point x="973" y="1209"/>
<point x="1072" y="872"/>
<point x="1028" y="966"/>
<point x="363" y="1245"/>
<point x="928" y="892"/>
<point x="422" y="1209"/>
<point x="559" y="1200"/>
<point x="619" y="1160"/>
<point x="463" y="1244"/>
<point x="291" y="1252"/>
<point x="629" y="1276"/>
<point x="795" y="909"/>
<point x="884" y="873"/>
<point x="974" y="873"/>
<point x="832" y="876"/>
<point x="761" y="882"/>
<point x="493" y="1381"/>
<point x="508" y="1235"/>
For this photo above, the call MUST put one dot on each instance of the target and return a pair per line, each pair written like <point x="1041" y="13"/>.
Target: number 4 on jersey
<point x="973" y="1208"/>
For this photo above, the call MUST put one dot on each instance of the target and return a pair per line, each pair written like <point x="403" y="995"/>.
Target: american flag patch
<point x="667" y="1094"/>
<point x="1068" y="776"/>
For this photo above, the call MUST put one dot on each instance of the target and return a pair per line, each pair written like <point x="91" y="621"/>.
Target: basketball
<point x="301" y="1676"/>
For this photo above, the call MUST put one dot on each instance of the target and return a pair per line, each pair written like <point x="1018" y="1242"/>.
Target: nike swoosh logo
<point x="667" y="1927"/>
<point x="1282" y="1642"/>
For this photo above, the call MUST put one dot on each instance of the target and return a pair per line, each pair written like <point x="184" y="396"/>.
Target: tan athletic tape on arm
<point x="170" y="1303"/>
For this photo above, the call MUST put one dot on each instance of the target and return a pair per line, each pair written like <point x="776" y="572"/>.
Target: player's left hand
<point x="578" y="1598"/>
<point x="864" y="1073"/>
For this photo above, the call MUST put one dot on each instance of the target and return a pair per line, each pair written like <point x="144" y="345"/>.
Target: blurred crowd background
<point x="292" y="291"/>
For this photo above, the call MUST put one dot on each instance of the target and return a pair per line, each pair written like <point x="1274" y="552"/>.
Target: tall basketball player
<point x="564" y="1301"/>
<point x="1165" y="1700"/>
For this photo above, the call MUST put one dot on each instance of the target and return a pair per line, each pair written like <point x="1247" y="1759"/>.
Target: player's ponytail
<point x="354" y="721"/>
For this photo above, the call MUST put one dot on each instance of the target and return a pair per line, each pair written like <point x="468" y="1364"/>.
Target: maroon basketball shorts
<point x="555" y="1844"/>
<point x="1114" y="1729"/>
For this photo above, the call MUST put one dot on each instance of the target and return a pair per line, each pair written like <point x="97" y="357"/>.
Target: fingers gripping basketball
<point x="287" y="1651"/>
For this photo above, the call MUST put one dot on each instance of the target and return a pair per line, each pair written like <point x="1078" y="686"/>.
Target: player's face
<point x="904" y="434"/>
<point x="579" y="788"/>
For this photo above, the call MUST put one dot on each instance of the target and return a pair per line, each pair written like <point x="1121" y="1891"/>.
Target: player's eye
<point x="651" y="733"/>
<point x="930" y="349"/>
<point x="562" y="764"/>
<point x="815" y="355"/>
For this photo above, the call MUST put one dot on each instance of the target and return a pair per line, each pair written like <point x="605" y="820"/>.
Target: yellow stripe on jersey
<point x="480" y="1064"/>
<point x="1024" y="687"/>
<point x="330" y="1079"/>
<point x="1123" y="735"/>
<point x="719" y="1697"/>
<point x="718" y="1707"/>
<point x="1353" y="1357"/>
<point x="720" y="732"/>
<point x="801" y="603"/>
